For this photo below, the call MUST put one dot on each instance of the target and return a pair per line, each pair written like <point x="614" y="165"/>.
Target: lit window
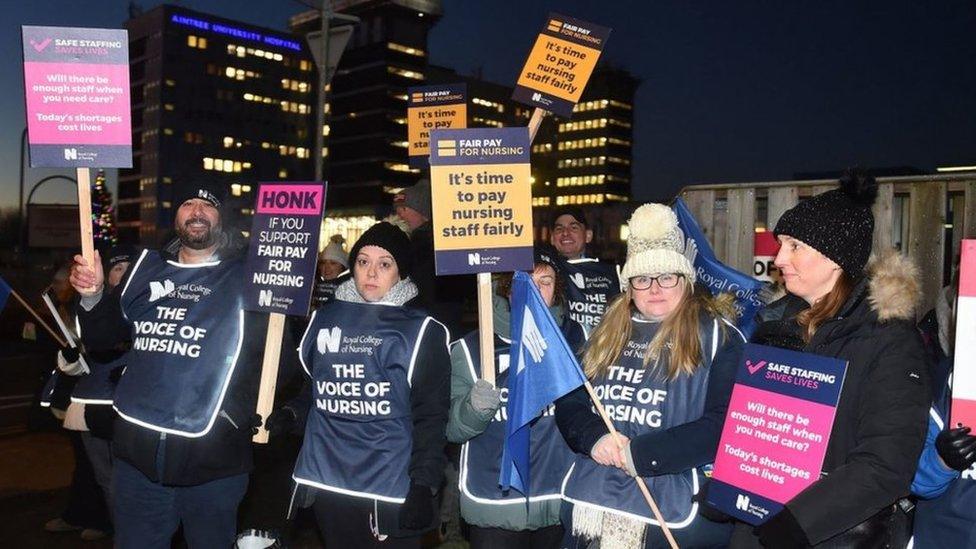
<point x="235" y="189"/>
<point x="191" y="41"/>
<point x="228" y="142"/>
<point x="413" y="75"/>
<point x="400" y="167"/>
<point x="230" y="72"/>
<point x="282" y="173"/>
<point x="208" y="163"/>
<point x="405" y="49"/>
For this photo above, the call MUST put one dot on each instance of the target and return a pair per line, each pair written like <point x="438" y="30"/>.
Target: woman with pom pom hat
<point x="841" y="305"/>
<point x="662" y="361"/>
<point x="376" y="412"/>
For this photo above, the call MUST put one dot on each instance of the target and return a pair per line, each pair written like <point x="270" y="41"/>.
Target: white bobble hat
<point x="656" y="245"/>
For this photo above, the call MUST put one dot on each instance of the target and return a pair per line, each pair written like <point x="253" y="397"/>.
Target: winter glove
<point x="417" y="512"/>
<point x="782" y="531"/>
<point x="68" y="362"/>
<point x="485" y="398"/>
<point x="70" y="354"/>
<point x="256" y="422"/>
<point x="957" y="448"/>
<point x="281" y="421"/>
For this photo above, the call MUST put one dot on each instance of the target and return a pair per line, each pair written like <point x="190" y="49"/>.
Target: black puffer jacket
<point x="882" y="415"/>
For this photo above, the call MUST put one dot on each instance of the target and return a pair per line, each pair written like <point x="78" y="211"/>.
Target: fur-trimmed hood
<point x="894" y="288"/>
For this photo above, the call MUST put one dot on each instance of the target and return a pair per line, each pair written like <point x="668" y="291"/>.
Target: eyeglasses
<point x="665" y="281"/>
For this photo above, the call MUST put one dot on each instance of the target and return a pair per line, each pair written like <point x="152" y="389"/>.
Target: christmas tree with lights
<point x="103" y="214"/>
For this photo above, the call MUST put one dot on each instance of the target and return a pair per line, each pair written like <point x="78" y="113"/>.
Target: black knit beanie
<point x="838" y="223"/>
<point x="392" y="239"/>
<point x="204" y="190"/>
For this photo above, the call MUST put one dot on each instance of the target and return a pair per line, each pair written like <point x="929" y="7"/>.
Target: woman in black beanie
<point x="376" y="413"/>
<point x="840" y="305"/>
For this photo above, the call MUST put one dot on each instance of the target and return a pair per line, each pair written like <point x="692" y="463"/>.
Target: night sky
<point x="730" y="91"/>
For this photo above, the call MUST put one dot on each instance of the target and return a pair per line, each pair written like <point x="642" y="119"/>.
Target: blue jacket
<point x="944" y="516"/>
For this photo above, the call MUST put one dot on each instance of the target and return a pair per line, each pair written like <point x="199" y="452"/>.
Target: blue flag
<point x="542" y="369"/>
<point x="4" y="292"/>
<point x="719" y="277"/>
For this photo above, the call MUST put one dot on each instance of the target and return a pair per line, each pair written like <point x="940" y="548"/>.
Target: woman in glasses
<point x="662" y="362"/>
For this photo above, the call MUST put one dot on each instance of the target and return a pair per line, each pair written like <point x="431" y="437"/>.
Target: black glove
<point x="417" y="512"/>
<point x="256" y="422"/>
<point x="70" y="354"/>
<point x="281" y="421"/>
<point x="782" y="531"/>
<point x="957" y="448"/>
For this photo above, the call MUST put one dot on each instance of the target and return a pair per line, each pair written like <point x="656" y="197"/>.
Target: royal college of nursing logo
<point x="159" y="290"/>
<point x="187" y="292"/>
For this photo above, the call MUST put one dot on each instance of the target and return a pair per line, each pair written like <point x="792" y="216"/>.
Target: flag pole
<point x="55" y="335"/>
<point x="640" y="481"/>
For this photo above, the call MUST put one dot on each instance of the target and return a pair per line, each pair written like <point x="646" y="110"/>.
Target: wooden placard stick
<point x="486" y="328"/>
<point x="640" y="481"/>
<point x="269" y="372"/>
<point x="535" y="122"/>
<point x="85" y="215"/>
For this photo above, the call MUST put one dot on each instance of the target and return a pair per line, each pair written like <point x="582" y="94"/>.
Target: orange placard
<point x="433" y="108"/>
<point x="560" y="63"/>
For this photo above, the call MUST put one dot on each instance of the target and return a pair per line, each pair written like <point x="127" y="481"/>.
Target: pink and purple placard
<point x="76" y="86"/>
<point x="282" y="256"/>
<point x="776" y="430"/>
<point x="964" y="370"/>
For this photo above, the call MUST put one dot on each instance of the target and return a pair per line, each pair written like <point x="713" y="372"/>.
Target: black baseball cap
<point x="575" y="211"/>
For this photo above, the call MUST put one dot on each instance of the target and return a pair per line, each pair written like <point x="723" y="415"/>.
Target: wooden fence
<point x="923" y="216"/>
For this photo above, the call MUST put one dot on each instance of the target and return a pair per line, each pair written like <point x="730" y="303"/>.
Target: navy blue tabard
<point x="188" y="326"/>
<point x="481" y="456"/>
<point x="47" y="392"/>
<point x="97" y="387"/>
<point x="360" y="357"/>
<point x="590" y="286"/>
<point x="639" y="400"/>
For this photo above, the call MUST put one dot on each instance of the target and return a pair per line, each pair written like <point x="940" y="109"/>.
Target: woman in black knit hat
<point x="373" y="454"/>
<point x="841" y="305"/>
